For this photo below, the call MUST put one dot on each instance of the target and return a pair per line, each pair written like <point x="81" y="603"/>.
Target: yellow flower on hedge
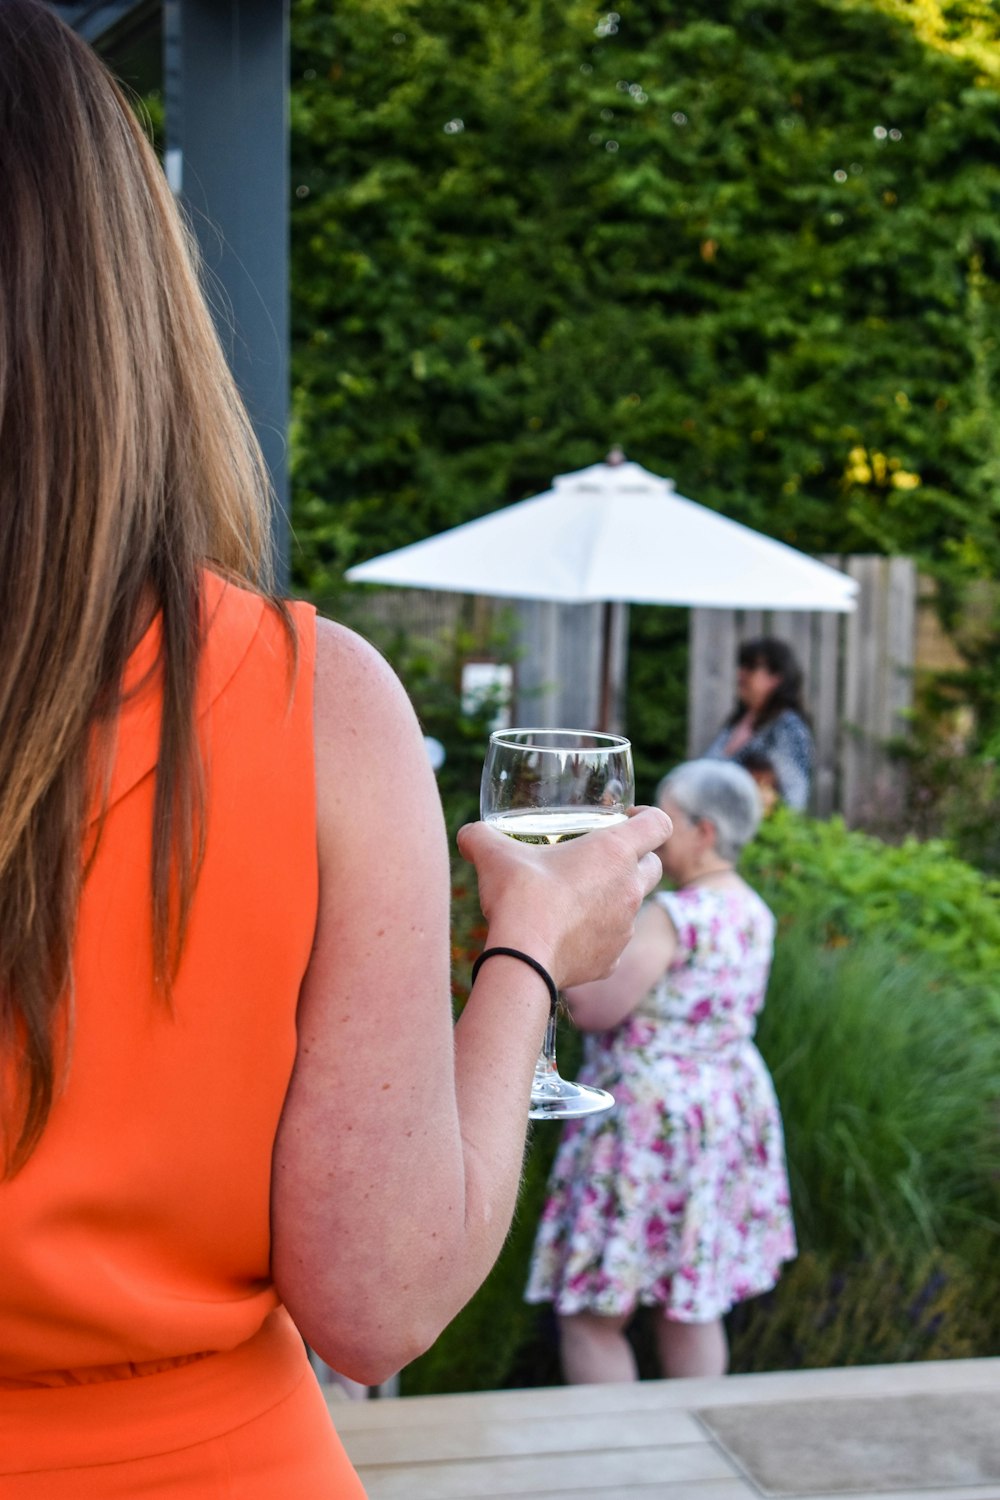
<point x="867" y="468"/>
<point x="858" y="470"/>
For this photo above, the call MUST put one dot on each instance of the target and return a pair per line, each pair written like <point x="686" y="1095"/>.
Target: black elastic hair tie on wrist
<point x="525" y="958"/>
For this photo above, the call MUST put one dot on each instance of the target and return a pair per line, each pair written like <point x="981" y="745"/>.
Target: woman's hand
<point x="573" y="906"/>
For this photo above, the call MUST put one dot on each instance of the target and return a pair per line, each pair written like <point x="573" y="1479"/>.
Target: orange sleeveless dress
<point x="142" y="1347"/>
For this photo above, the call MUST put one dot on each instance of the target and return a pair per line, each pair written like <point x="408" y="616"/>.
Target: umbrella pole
<point x="604" y="710"/>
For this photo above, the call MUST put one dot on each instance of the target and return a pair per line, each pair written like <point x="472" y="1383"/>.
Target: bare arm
<point x="398" y="1157"/>
<point x="607" y="1002"/>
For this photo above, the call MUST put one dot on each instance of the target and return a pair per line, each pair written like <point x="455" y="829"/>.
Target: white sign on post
<point x="488" y="682"/>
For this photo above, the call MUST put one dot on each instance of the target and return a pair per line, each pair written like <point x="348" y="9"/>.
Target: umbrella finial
<point x="616" y="456"/>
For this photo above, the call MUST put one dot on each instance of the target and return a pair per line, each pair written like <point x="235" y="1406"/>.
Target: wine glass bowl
<point x="543" y="786"/>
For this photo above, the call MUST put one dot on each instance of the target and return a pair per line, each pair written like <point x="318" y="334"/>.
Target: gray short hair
<point x="723" y="793"/>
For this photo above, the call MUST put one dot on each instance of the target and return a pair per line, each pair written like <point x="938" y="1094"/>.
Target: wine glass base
<point x="556" y="1099"/>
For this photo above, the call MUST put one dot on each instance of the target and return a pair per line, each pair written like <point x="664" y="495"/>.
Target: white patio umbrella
<point x="614" y="531"/>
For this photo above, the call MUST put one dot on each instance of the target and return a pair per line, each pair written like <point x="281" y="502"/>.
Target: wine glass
<point x="542" y="786"/>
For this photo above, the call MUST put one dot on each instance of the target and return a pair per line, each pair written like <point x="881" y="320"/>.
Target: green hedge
<point x="881" y="1034"/>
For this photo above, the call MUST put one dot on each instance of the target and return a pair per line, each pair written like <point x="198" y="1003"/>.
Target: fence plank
<point x="558" y="674"/>
<point x="901" y="642"/>
<point x="418" y="612"/>
<point x="578" y="646"/>
<point x="862" y="688"/>
<point x="537" y="671"/>
<point x="794" y="626"/>
<point x="823" y="696"/>
<point x="711" y="674"/>
<point x="619" y="668"/>
<point x="898" y="650"/>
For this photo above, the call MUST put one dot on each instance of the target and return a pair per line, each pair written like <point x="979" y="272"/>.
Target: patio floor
<point x="916" y="1432"/>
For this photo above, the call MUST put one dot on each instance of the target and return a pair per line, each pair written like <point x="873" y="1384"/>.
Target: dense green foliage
<point x="758" y="245"/>
<point x="953" y="793"/>
<point x="881" y="1033"/>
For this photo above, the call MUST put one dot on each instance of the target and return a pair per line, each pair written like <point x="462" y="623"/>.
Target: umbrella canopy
<point x="614" y="531"/>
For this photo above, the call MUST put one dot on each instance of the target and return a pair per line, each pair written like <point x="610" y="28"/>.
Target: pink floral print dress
<point x="678" y="1197"/>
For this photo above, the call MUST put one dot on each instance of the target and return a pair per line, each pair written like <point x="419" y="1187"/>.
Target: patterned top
<point x="787" y="743"/>
<point x="713" y="990"/>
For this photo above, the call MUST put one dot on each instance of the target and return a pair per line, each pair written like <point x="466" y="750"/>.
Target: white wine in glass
<point x="543" y="786"/>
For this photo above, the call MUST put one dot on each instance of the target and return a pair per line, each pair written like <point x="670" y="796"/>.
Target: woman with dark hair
<point x="227" y="1055"/>
<point x="769" y="725"/>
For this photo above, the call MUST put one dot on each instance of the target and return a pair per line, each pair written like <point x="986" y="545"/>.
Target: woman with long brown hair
<point x="226" y="1047"/>
<point x="768" y="730"/>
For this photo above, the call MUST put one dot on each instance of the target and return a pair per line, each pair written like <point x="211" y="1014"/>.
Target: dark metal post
<point x="226" y="85"/>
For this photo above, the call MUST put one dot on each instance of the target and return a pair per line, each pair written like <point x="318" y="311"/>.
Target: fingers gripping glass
<point x="543" y="786"/>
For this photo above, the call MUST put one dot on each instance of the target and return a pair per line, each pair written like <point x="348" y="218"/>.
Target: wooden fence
<point x="858" y="672"/>
<point x="557" y="649"/>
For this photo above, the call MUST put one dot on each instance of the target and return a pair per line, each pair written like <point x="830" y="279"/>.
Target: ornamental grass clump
<point x="876" y="1310"/>
<point x="888" y="1074"/>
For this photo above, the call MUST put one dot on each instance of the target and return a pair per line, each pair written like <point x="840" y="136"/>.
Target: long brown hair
<point x="127" y="462"/>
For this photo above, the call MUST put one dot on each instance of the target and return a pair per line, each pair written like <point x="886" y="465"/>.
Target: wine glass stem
<point x="549" y="1045"/>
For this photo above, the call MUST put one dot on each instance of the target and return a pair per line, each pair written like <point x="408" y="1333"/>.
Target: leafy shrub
<point x="969" y="813"/>
<point x="955" y="795"/>
<point x="842" y="885"/>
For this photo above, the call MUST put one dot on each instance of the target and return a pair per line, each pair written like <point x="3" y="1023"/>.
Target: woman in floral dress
<point x="678" y="1198"/>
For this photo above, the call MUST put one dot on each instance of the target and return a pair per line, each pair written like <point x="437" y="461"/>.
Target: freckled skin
<point x="382" y="945"/>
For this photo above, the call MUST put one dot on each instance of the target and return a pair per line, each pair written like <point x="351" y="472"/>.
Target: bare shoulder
<point x="377" y="798"/>
<point x="656" y="933"/>
<point x="367" y="737"/>
<point x="354" y="684"/>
